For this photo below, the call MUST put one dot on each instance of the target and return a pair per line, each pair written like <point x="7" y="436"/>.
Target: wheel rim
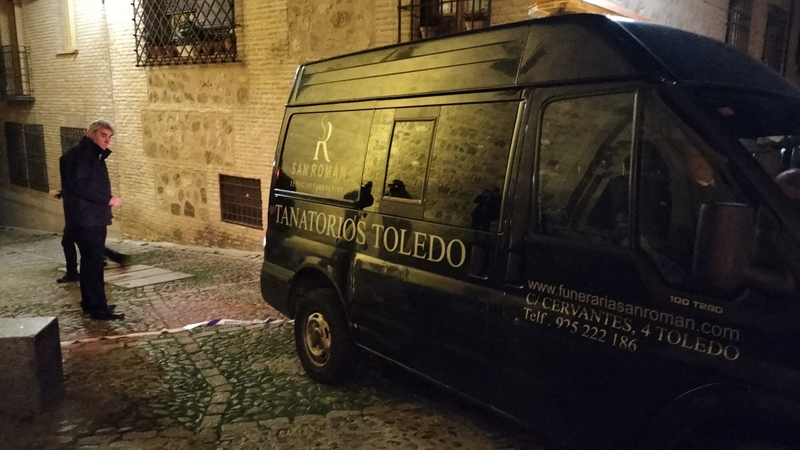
<point x="317" y="337"/>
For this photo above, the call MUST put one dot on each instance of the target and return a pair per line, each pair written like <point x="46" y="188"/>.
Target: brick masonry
<point x="179" y="127"/>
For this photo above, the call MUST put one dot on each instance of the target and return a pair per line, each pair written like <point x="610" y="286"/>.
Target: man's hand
<point x="115" y="201"/>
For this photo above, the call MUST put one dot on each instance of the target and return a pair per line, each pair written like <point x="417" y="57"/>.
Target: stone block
<point x="31" y="373"/>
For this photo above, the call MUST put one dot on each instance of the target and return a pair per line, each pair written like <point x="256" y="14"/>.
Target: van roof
<point x="553" y="50"/>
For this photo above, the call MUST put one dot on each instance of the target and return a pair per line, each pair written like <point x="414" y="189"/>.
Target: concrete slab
<point x="113" y="269"/>
<point x="141" y="275"/>
<point x="31" y="376"/>
<point x="133" y="273"/>
<point x="153" y="279"/>
<point x="138" y="275"/>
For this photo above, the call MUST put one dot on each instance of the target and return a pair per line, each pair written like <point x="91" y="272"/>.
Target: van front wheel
<point x="322" y="337"/>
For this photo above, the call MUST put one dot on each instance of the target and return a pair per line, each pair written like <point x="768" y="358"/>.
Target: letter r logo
<point x="327" y="130"/>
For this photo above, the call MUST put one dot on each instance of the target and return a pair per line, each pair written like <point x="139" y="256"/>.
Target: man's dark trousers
<point x="91" y="242"/>
<point x="68" y="241"/>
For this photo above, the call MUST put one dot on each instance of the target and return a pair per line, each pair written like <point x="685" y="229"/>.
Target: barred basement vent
<point x="240" y="200"/>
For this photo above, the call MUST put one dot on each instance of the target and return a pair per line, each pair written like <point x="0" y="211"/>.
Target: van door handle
<point x="477" y="262"/>
<point x="514" y="270"/>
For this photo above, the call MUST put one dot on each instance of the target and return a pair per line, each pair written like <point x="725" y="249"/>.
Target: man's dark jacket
<point x="85" y="186"/>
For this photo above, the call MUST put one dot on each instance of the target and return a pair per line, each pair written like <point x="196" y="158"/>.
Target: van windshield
<point x="768" y="127"/>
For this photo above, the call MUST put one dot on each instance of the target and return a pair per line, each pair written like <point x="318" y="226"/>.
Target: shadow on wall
<point x="33" y="213"/>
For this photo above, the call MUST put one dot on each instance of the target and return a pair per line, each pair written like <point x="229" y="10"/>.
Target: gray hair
<point x="99" y="124"/>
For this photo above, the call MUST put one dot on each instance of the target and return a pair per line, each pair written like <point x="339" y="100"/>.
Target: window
<point x="15" y="80"/>
<point x="420" y="19"/>
<point x="739" y="16"/>
<point x="184" y="32"/>
<point x="323" y="154"/>
<point x="240" y="199"/>
<point x="70" y="136"/>
<point x="775" y="38"/>
<point x="408" y="159"/>
<point x="468" y="165"/>
<point x="70" y="43"/>
<point x="27" y="166"/>
<point x="450" y="167"/>
<point x="584" y="169"/>
<point x="677" y="176"/>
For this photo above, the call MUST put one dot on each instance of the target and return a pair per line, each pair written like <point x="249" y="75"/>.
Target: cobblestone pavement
<point x="132" y="385"/>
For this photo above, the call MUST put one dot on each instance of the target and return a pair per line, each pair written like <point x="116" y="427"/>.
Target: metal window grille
<point x="15" y="148"/>
<point x="26" y="156"/>
<point x="37" y="160"/>
<point x="240" y="200"/>
<point x="15" y="78"/>
<point x="775" y="38"/>
<point x="740" y="13"/>
<point x="420" y="19"/>
<point x="70" y="136"/>
<point x="184" y="32"/>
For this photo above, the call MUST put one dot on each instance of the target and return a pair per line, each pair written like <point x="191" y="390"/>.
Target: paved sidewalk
<point x="145" y="383"/>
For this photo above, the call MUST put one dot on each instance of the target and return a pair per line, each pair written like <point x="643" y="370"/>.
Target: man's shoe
<point x="87" y="312"/>
<point x="117" y="257"/>
<point x="106" y="315"/>
<point x="69" y="278"/>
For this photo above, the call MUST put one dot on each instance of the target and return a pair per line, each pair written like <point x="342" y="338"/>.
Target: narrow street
<point x="148" y="383"/>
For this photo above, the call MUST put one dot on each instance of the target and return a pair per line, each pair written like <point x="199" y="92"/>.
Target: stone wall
<point x="192" y="123"/>
<point x="180" y="127"/>
<point x="707" y="17"/>
<point x="329" y="28"/>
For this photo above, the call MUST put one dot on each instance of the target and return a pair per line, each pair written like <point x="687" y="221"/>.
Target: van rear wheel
<point x="322" y="337"/>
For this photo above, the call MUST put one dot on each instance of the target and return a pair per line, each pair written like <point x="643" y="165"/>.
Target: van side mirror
<point x="722" y="249"/>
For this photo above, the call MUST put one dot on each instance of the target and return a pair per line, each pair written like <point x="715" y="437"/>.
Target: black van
<point x="585" y="224"/>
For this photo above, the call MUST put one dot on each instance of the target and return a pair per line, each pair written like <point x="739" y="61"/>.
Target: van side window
<point x="408" y="159"/>
<point x="324" y="153"/>
<point x="450" y="169"/>
<point x="377" y="155"/>
<point x="469" y="163"/>
<point x="676" y="177"/>
<point x="584" y="169"/>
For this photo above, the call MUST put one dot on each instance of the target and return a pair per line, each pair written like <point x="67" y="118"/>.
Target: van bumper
<point x="275" y="287"/>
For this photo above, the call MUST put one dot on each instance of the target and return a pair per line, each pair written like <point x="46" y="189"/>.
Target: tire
<point x="322" y="337"/>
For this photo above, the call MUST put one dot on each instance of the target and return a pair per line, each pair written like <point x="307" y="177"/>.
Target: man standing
<point x="86" y="192"/>
<point x="68" y="243"/>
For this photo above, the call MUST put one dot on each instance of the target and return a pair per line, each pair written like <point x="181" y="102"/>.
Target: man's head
<point x="100" y="133"/>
